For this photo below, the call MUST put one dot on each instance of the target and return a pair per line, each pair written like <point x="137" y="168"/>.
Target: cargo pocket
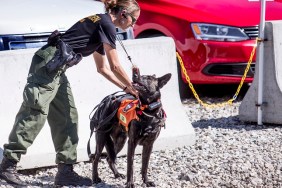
<point x="38" y="96"/>
<point x="46" y="54"/>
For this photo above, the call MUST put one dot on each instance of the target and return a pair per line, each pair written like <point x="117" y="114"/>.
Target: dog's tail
<point x="110" y="149"/>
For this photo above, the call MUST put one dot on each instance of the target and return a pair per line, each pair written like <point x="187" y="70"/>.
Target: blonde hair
<point x="114" y="6"/>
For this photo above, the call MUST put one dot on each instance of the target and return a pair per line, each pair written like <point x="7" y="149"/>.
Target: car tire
<point x="184" y="89"/>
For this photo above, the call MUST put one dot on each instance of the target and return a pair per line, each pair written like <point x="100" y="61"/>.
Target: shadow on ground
<point x="232" y="122"/>
<point x="218" y="90"/>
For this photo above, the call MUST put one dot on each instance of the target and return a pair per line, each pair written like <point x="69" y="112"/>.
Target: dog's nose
<point x="135" y="74"/>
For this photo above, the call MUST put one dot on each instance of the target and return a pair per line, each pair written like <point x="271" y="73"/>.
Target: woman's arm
<point x="115" y="65"/>
<point x="106" y="71"/>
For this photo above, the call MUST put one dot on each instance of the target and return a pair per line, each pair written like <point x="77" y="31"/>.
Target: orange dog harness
<point x="127" y="112"/>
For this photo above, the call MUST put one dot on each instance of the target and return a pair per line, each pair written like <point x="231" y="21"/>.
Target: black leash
<point x="129" y="58"/>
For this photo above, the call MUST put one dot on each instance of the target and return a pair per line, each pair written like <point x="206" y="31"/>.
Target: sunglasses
<point x="132" y="18"/>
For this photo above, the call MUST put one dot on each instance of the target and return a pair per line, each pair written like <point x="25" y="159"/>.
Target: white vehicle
<point x="28" y="23"/>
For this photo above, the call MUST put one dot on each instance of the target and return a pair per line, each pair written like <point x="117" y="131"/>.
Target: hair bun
<point x="109" y="4"/>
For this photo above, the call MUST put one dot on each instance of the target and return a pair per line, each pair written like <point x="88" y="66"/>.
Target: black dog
<point x="143" y="131"/>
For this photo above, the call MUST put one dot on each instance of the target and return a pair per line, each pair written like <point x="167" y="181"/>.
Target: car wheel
<point x="184" y="89"/>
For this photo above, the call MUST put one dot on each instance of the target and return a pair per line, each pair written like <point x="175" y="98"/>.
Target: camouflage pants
<point x="46" y="96"/>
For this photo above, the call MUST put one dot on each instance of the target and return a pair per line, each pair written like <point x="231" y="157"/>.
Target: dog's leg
<point x="146" y="153"/>
<point x="100" y="143"/>
<point x="112" y="153"/>
<point x="130" y="158"/>
<point x="119" y="137"/>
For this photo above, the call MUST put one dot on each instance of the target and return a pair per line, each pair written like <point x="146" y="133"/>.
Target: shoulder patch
<point x="94" y="18"/>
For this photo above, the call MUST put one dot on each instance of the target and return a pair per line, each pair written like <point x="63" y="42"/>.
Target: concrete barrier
<point x="272" y="85"/>
<point x="153" y="56"/>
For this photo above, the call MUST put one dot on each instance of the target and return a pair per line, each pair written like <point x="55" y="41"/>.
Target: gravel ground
<point x="227" y="153"/>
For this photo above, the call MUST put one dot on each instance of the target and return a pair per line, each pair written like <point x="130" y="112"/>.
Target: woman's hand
<point x="131" y="90"/>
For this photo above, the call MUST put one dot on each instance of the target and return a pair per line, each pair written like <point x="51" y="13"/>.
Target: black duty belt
<point x="64" y="56"/>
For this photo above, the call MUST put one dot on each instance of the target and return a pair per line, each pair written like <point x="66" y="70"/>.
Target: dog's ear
<point x="163" y="80"/>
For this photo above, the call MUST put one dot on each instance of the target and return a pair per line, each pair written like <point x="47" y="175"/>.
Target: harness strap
<point x="104" y="121"/>
<point x="108" y="118"/>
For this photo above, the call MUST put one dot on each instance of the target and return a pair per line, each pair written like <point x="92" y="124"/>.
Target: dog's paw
<point x="96" y="180"/>
<point x="129" y="185"/>
<point x="150" y="184"/>
<point x="91" y="157"/>
<point x="118" y="175"/>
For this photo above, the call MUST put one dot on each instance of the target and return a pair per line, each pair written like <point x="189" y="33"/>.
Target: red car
<point x="214" y="38"/>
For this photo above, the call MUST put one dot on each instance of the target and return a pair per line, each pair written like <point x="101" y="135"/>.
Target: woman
<point x="47" y="94"/>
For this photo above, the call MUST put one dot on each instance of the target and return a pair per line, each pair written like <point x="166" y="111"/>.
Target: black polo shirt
<point x="88" y="34"/>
